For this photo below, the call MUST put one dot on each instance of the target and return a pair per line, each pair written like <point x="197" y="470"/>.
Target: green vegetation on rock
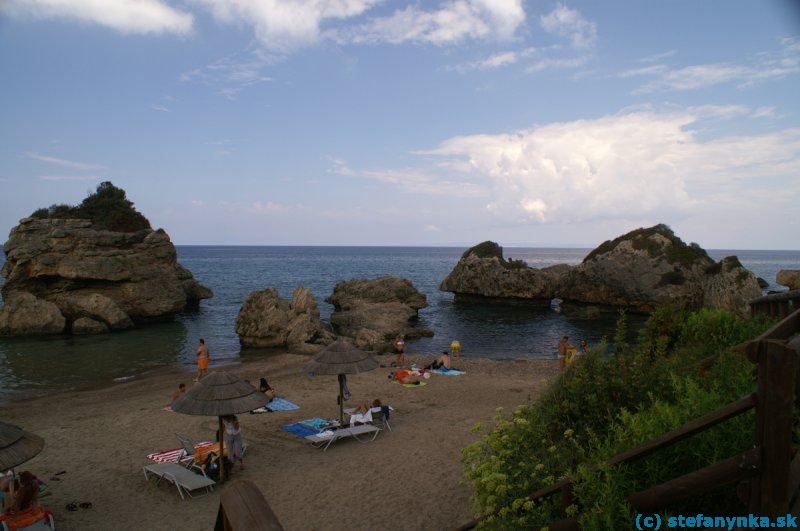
<point x="108" y="208"/>
<point x="677" y="252"/>
<point x="607" y="403"/>
<point x="490" y="249"/>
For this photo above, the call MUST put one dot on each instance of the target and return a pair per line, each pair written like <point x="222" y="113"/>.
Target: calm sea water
<point x="39" y="366"/>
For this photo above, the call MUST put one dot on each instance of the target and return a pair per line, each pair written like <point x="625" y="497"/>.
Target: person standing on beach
<point x="400" y="350"/>
<point x="563" y="346"/>
<point x="202" y="355"/>
<point x="234" y="444"/>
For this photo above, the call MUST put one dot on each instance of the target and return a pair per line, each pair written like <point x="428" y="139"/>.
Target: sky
<point x="389" y="122"/>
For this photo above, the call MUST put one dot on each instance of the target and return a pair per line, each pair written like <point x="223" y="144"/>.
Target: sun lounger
<point x="36" y="519"/>
<point x="184" y="479"/>
<point x="326" y="438"/>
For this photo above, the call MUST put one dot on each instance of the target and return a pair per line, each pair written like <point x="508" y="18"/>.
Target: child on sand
<point x="455" y="348"/>
<point x="179" y="392"/>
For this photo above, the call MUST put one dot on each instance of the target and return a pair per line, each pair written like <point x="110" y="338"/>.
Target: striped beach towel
<point x="171" y="456"/>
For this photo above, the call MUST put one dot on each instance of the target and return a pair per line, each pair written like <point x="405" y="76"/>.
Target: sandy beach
<point x="409" y="478"/>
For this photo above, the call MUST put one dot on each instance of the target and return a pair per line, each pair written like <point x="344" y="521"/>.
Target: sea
<point x="38" y="366"/>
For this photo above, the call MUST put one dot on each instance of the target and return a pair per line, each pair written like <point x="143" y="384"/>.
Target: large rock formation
<point x="267" y="320"/>
<point x="375" y="311"/>
<point x="789" y="278"/>
<point x="642" y="270"/>
<point x="71" y="267"/>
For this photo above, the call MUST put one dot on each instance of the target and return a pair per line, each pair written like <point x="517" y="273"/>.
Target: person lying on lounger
<point x="362" y="415"/>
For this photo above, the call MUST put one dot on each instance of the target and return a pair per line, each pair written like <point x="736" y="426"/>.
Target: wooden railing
<point x="776" y="304"/>
<point x="242" y="507"/>
<point x="768" y="475"/>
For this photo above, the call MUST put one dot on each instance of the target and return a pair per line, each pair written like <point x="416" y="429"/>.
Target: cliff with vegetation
<point x="642" y="270"/>
<point x="91" y="268"/>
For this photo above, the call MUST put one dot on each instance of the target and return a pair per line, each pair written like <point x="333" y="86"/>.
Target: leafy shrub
<point x="108" y="208"/>
<point x="607" y="403"/>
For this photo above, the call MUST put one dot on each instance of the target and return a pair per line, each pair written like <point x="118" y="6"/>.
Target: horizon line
<point x="440" y="246"/>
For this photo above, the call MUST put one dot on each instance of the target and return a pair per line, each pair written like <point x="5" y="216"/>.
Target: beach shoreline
<point x="408" y="478"/>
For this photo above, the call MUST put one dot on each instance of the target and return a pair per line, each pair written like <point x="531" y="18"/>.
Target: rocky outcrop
<point x="25" y="315"/>
<point x="375" y="311"/>
<point x="641" y="270"/>
<point x="789" y="278"/>
<point x="85" y="326"/>
<point x="266" y="320"/>
<point x="115" y="278"/>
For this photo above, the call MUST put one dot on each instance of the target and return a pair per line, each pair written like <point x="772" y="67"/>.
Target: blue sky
<point x="409" y="123"/>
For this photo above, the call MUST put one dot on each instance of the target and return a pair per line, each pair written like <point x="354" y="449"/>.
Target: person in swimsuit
<point x="442" y="362"/>
<point x="267" y="389"/>
<point x="563" y="346"/>
<point x="179" y="392"/>
<point x="455" y="348"/>
<point x="400" y="350"/>
<point x="202" y="355"/>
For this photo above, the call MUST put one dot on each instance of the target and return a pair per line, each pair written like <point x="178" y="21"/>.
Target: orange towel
<point x="201" y="452"/>
<point x="23" y="519"/>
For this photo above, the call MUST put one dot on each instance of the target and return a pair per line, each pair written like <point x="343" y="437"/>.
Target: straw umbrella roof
<point x="218" y="394"/>
<point x="341" y="357"/>
<point x="17" y="446"/>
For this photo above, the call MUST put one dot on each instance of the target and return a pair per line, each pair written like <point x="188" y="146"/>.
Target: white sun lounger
<point x="321" y="441"/>
<point x="185" y="480"/>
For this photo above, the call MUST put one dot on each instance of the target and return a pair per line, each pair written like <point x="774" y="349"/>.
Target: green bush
<point x="610" y="402"/>
<point x="108" y="208"/>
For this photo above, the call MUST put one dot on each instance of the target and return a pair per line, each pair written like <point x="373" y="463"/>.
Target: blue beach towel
<point x="280" y="404"/>
<point x="304" y="428"/>
<point x="448" y="372"/>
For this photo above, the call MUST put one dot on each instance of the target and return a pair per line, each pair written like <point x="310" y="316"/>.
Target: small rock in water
<point x="123" y="379"/>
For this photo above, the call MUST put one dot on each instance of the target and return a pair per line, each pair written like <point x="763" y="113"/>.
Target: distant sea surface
<point x="39" y="366"/>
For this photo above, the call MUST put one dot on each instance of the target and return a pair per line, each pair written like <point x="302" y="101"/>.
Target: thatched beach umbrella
<point x="217" y="395"/>
<point x="341" y="357"/>
<point x="17" y="446"/>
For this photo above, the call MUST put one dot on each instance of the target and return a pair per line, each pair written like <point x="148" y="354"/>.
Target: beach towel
<point x="448" y="372"/>
<point x="171" y="456"/>
<point x="418" y="384"/>
<point x="280" y="404"/>
<point x="305" y="428"/>
<point x="276" y="404"/>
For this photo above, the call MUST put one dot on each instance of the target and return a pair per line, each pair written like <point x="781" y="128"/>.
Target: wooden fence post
<point x="777" y="370"/>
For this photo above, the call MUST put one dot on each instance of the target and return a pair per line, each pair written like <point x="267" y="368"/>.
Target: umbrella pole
<point x="221" y="452"/>
<point x="341" y="401"/>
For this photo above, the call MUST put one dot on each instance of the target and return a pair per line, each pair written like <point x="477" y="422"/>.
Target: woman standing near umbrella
<point x="233" y="440"/>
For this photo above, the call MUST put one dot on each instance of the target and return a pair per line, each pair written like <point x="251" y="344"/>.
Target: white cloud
<point x="231" y="74"/>
<point x="658" y="56"/>
<point x="453" y="22"/>
<point x="64" y="162"/>
<point x="569" y="23"/>
<point x="556" y="63"/>
<point x="125" y="16"/>
<point x="625" y="166"/>
<point x="68" y="177"/>
<point x="284" y="25"/>
<point x="495" y="60"/>
<point x="159" y="108"/>
<point x="765" y="65"/>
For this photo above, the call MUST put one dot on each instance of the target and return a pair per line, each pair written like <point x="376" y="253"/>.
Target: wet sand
<point x="408" y="478"/>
